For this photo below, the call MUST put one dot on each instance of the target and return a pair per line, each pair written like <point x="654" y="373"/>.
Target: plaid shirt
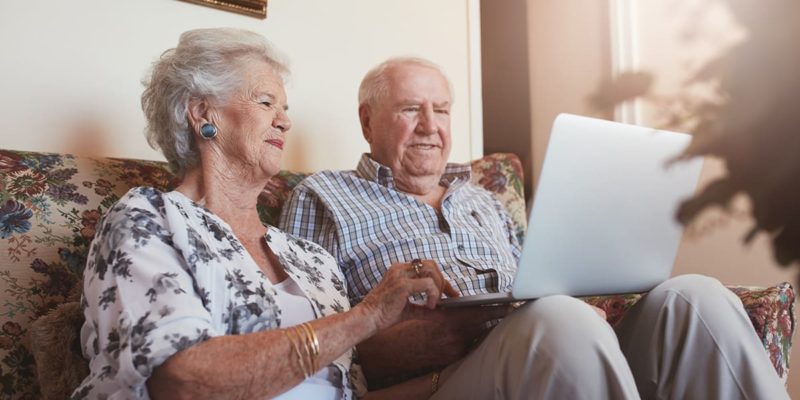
<point x="367" y="225"/>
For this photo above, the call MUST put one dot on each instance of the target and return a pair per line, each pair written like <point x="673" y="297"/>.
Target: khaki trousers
<point x="689" y="338"/>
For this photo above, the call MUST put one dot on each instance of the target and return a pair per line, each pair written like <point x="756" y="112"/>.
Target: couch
<point x="50" y="205"/>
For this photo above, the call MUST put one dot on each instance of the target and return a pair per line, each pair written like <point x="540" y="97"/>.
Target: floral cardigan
<point x="164" y="273"/>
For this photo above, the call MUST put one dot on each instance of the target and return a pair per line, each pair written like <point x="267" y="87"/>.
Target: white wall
<point x="70" y="70"/>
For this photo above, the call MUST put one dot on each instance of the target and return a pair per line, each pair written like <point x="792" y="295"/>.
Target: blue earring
<point x="208" y="131"/>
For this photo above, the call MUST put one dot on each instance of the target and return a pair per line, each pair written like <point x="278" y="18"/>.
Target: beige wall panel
<point x="71" y="69"/>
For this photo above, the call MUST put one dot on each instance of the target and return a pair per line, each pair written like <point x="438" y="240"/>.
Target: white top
<point x="297" y="309"/>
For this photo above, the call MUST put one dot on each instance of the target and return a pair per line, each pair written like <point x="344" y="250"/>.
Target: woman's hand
<point x="387" y="304"/>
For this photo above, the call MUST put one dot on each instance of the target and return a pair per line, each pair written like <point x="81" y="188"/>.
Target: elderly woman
<point x="186" y="293"/>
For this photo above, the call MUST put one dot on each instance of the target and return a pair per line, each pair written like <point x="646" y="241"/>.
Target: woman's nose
<point x="282" y="121"/>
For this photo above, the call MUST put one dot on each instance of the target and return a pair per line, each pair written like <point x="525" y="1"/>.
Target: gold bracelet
<point x="307" y="347"/>
<point x="304" y="364"/>
<point x="313" y="342"/>
<point x="300" y="359"/>
<point x="435" y="382"/>
<point x="311" y="350"/>
<point x="313" y="335"/>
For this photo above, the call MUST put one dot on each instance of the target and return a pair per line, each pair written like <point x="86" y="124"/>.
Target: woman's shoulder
<point x="142" y="196"/>
<point x="295" y="242"/>
<point x="312" y="263"/>
<point x="135" y="222"/>
<point x="141" y="199"/>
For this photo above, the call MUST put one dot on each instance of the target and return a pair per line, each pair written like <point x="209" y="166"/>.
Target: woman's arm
<point x="256" y="365"/>
<point x="264" y="364"/>
<point x="150" y="327"/>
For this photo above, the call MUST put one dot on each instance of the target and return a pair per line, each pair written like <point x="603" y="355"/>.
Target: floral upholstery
<point x="50" y="204"/>
<point x="771" y="310"/>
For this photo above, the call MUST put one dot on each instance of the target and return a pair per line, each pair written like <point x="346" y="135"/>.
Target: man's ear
<point x="197" y="113"/>
<point x="364" y="114"/>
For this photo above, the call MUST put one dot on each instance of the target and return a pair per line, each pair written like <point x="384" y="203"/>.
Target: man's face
<point x="408" y="130"/>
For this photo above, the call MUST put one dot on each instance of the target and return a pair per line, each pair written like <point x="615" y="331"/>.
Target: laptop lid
<point x="603" y="214"/>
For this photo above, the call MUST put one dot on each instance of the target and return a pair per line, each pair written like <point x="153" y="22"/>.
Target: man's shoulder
<point x="474" y="190"/>
<point x="328" y="180"/>
<point x="478" y="196"/>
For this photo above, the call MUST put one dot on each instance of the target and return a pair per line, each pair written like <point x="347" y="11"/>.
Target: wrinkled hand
<point x="388" y="302"/>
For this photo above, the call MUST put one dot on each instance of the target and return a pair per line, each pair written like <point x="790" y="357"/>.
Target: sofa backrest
<point x="50" y="204"/>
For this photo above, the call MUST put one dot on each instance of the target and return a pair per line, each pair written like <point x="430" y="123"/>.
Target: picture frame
<point x="253" y="8"/>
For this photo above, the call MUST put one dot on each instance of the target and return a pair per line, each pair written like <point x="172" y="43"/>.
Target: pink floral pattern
<point x="50" y="205"/>
<point x="501" y="174"/>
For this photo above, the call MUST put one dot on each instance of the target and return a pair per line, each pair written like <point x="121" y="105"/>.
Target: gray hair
<point x="206" y="64"/>
<point x="375" y="85"/>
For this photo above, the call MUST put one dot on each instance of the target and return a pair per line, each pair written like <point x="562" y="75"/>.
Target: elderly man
<point x="688" y="338"/>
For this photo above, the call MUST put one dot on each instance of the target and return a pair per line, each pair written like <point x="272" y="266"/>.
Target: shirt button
<point x="461" y="247"/>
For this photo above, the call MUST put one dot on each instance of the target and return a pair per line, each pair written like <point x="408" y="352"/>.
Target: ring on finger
<point x="416" y="264"/>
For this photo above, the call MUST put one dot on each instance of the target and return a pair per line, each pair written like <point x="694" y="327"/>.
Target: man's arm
<point x="408" y="347"/>
<point x="418" y="346"/>
<point x="513" y="240"/>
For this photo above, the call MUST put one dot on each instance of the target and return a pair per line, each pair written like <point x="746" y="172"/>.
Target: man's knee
<point x="695" y="289"/>
<point x="553" y="342"/>
<point x="555" y="325"/>
<point x="690" y="283"/>
<point x="688" y="295"/>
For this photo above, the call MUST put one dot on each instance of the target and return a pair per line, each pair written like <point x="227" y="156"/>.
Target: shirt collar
<point x="374" y="171"/>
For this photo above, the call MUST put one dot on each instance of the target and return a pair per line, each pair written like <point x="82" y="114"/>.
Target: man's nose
<point x="427" y="122"/>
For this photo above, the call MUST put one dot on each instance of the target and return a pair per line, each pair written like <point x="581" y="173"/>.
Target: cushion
<point x="49" y="206"/>
<point x="56" y="346"/>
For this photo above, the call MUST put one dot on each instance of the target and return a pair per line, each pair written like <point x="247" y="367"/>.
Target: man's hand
<point x="387" y="303"/>
<point x="436" y="339"/>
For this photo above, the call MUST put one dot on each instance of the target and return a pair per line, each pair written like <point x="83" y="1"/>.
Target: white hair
<point x="206" y="64"/>
<point x="375" y="85"/>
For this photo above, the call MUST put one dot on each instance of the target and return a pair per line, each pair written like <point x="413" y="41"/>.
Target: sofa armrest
<point x="501" y="175"/>
<point x="771" y="310"/>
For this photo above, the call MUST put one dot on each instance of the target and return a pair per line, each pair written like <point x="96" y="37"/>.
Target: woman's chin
<point x="268" y="171"/>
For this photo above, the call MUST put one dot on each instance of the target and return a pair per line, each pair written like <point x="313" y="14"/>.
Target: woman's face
<point x="252" y="124"/>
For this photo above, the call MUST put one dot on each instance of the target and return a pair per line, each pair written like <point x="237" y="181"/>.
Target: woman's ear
<point x="197" y="113"/>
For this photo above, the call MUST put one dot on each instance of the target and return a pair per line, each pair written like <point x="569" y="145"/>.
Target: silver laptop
<point x="603" y="219"/>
